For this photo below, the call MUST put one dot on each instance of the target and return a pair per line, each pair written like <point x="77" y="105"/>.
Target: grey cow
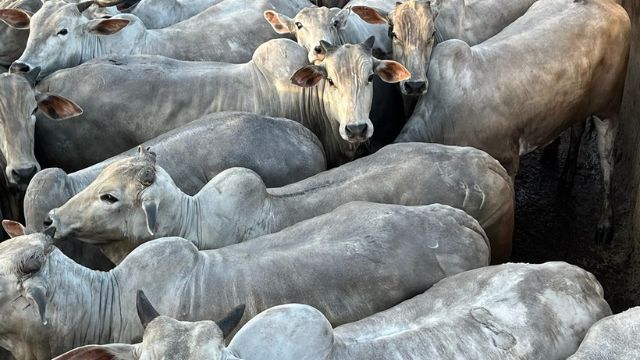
<point x="13" y="38"/>
<point x="62" y="37"/>
<point x="158" y="14"/>
<point x="279" y="150"/>
<point x="612" y="338"/>
<point x="513" y="311"/>
<point x="417" y="25"/>
<point x="166" y="94"/>
<point x="134" y="200"/>
<point x="328" y="262"/>
<point x="560" y="63"/>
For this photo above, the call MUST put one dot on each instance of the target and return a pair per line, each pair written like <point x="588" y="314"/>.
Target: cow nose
<point x="23" y="175"/>
<point x="48" y="221"/>
<point x="19" y="67"/>
<point x="415" y="87"/>
<point x="317" y="49"/>
<point x="356" y="130"/>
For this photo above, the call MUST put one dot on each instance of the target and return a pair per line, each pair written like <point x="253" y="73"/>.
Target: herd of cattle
<point x="325" y="180"/>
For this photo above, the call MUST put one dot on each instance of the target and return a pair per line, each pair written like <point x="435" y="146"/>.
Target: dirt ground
<point x="555" y="225"/>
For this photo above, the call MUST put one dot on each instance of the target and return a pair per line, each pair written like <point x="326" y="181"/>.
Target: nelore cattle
<point x="513" y="311"/>
<point x="133" y="200"/>
<point x="614" y="337"/>
<point x="50" y="304"/>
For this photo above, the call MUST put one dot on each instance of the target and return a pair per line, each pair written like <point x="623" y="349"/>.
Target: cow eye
<point x="330" y="81"/>
<point x="108" y="198"/>
<point x="63" y="32"/>
<point x="370" y="79"/>
<point x="298" y="25"/>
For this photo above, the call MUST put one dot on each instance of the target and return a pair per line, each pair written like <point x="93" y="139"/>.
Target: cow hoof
<point x="604" y="234"/>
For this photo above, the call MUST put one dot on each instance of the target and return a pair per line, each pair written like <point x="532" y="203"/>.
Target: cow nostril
<point x="356" y="130"/>
<point x="317" y="49"/>
<point x="415" y="87"/>
<point x="48" y="221"/>
<point x="19" y="67"/>
<point x="25" y="174"/>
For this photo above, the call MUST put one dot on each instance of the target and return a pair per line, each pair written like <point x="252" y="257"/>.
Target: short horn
<point x="109" y="3"/>
<point x="82" y="6"/>
<point x="146" y="311"/>
<point x="50" y="231"/>
<point x="232" y="320"/>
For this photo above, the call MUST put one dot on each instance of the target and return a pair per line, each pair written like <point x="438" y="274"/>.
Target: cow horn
<point x="146" y="311"/>
<point x="109" y="3"/>
<point x="50" y="231"/>
<point x="368" y="44"/>
<point x="230" y="321"/>
<point x="82" y="6"/>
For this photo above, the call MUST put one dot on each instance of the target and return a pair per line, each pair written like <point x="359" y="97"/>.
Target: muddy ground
<point x="559" y="225"/>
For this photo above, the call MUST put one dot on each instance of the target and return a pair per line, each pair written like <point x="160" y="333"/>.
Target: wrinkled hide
<point x="237" y="206"/>
<point x="524" y="87"/>
<point x="614" y="337"/>
<point x="158" y="14"/>
<point x="61" y="37"/>
<point x="320" y="262"/>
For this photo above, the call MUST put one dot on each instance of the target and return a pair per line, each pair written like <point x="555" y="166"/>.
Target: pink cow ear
<point x="13" y="228"/>
<point x="107" y="26"/>
<point x="57" y="107"/>
<point x="101" y="352"/>
<point x="308" y="76"/>
<point x="391" y="71"/>
<point x="16" y="18"/>
<point x="369" y="14"/>
<point x="282" y="24"/>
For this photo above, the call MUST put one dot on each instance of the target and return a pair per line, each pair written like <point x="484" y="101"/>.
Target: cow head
<point x="311" y="25"/>
<point x="346" y="74"/>
<point x="19" y="103"/>
<point x="412" y="28"/>
<point x="167" y="339"/>
<point x="62" y="37"/>
<point x="122" y="203"/>
<point x="23" y="295"/>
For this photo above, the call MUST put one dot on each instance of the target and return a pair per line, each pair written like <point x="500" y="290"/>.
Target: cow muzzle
<point x="31" y="73"/>
<point x="356" y="132"/>
<point x="414" y="88"/>
<point x="21" y="175"/>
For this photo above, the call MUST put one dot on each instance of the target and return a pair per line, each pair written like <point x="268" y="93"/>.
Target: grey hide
<point x="513" y="311"/>
<point x="142" y="202"/>
<point x="13" y="40"/>
<point x="329" y="262"/>
<point x="560" y="63"/>
<point x="612" y="338"/>
<point x="230" y="31"/>
<point x="279" y="150"/>
<point x="166" y="94"/>
<point x="414" y="31"/>
<point x="158" y="14"/>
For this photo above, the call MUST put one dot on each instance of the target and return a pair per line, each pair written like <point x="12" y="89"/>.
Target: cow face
<point x="167" y="339"/>
<point x="346" y="76"/>
<point x="121" y="203"/>
<point x="62" y="37"/>
<point x="23" y="296"/>
<point x="310" y="26"/>
<point x="18" y="106"/>
<point x="412" y="28"/>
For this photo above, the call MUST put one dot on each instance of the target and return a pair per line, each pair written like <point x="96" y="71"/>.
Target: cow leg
<point x="606" y="129"/>
<point x="570" y="165"/>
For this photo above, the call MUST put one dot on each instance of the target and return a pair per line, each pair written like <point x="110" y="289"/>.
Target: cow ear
<point x="369" y="14"/>
<point x="57" y="107"/>
<point x="150" y="208"/>
<point x="13" y="228"/>
<point x="15" y="18"/>
<point x="282" y="24"/>
<point x="101" y="352"/>
<point x="309" y="76"/>
<point x="229" y="322"/>
<point x="340" y="20"/>
<point x="391" y="71"/>
<point x="107" y="26"/>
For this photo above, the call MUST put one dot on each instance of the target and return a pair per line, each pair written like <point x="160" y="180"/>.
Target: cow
<point x="133" y="200"/>
<point x="512" y="311"/>
<point x="280" y="150"/>
<point x="158" y="14"/>
<point x="62" y="37"/>
<point x="50" y="304"/>
<point x="519" y="90"/>
<point x="166" y="94"/>
<point x="417" y="25"/>
<point x="165" y="338"/>
<point x="614" y="337"/>
<point x="14" y="28"/>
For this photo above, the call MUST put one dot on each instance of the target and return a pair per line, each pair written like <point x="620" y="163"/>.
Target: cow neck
<point x="92" y="315"/>
<point x="95" y="46"/>
<point x="186" y="214"/>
